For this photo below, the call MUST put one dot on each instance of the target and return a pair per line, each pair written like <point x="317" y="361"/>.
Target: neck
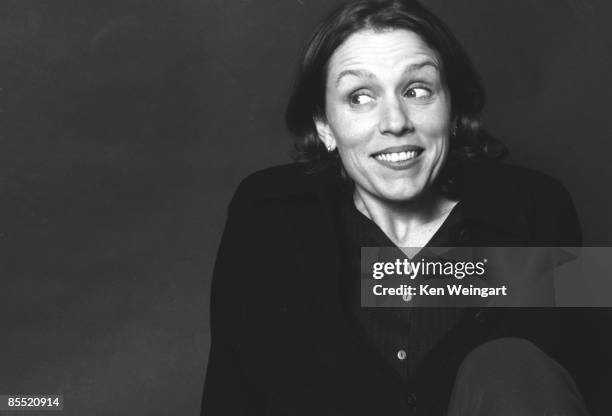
<point x="406" y="223"/>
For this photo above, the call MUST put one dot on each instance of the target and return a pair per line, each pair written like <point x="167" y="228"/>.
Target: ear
<point x="325" y="134"/>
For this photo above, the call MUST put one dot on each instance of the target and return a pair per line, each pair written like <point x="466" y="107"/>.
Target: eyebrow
<point x="362" y="73"/>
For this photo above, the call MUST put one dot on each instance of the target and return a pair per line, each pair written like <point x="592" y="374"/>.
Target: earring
<point x="454" y="131"/>
<point x="330" y="148"/>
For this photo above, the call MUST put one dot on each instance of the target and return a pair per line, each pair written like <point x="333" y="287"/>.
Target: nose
<point x="395" y="119"/>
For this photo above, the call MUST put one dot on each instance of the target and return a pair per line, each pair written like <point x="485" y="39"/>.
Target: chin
<point x="403" y="196"/>
<point x="399" y="192"/>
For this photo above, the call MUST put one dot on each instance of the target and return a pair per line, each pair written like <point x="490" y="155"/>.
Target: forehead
<point x="385" y="51"/>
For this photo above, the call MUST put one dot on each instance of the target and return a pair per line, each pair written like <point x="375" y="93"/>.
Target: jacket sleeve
<point x="585" y="344"/>
<point x="228" y="390"/>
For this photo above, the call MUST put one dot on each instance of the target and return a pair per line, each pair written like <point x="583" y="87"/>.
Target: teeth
<point x="397" y="157"/>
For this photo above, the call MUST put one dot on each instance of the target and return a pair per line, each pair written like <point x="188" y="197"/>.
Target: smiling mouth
<point x="399" y="154"/>
<point x="397" y="157"/>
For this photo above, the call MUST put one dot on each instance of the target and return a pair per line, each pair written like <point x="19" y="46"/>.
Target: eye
<point x="360" y="99"/>
<point x="417" y="92"/>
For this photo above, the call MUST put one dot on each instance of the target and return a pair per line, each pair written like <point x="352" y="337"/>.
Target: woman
<point x="390" y="153"/>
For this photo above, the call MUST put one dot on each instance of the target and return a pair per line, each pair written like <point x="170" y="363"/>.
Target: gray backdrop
<point x="126" y="125"/>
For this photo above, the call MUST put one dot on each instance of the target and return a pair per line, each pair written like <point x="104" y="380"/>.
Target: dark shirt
<point x="401" y="337"/>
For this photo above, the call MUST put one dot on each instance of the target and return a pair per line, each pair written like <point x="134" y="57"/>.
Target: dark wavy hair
<point x="307" y="101"/>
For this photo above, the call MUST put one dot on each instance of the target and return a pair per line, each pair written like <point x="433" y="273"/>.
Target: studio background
<point x="126" y="126"/>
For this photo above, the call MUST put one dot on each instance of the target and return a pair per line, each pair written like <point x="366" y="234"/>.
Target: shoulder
<point x="283" y="182"/>
<point x="494" y="183"/>
<point x="511" y="180"/>
<point x="512" y="194"/>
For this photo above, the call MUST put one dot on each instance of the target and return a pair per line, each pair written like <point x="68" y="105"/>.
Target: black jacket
<point x="281" y="344"/>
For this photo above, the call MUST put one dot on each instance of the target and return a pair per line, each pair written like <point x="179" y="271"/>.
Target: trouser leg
<point x="512" y="377"/>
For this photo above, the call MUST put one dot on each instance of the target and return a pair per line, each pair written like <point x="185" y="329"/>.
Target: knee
<point x="509" y="376"/>
<point x="512" y="357"/>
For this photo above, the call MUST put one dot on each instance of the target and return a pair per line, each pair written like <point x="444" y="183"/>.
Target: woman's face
<point x="388" y="112"/>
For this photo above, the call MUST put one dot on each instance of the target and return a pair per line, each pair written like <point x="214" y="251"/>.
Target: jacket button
<point x="401" y="355"/>
<point x="411" y="400"/>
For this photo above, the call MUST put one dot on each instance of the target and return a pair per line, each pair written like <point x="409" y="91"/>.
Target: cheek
<point x="352" y="132"/>
<point x="354" y="148"/>
<point x="354" y="156"/>
<point x="435" y="128"/>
